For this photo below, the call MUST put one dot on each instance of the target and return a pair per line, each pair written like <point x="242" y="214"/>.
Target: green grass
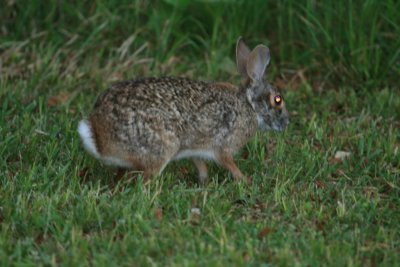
<point x="339" y="64"/>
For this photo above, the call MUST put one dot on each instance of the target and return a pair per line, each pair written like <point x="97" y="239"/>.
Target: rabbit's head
<point x="264" y="98"/>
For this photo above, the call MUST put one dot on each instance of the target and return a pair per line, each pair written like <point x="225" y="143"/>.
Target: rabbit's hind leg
<point x="149" y="166"/>
<point x="154" y="169"/>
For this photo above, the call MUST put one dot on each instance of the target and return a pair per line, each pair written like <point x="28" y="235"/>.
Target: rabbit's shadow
<point x="95" y="174"/>
<point x="106" y="176"/>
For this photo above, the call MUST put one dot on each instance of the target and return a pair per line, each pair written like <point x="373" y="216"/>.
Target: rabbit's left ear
<point x="242" y="55"/>
<point x="257" y="62"/>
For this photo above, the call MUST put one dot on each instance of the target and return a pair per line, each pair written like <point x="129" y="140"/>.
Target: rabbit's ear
<point x="257" y="63"/>
<point x="242" y="55"/>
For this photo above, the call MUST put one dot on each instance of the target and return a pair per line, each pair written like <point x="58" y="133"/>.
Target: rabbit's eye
<point x="278" y="100"/>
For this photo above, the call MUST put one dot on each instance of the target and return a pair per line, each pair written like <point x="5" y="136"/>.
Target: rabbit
<point x="146" y="123"/>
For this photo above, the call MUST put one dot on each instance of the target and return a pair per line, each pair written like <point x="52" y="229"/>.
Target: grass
<point x="305" y="208"/>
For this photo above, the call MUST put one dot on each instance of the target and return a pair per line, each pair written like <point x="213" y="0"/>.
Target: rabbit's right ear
<point x="242" y="55"/>
<point x="257" y="63"/>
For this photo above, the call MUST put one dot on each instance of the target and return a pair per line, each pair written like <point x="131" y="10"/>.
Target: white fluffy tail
<point x="85" y="131"/>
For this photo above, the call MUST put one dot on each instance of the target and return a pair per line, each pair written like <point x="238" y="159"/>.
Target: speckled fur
<point x="150" y="121"/>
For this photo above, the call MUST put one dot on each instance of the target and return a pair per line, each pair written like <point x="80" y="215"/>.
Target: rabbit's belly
<point x="114" y="161"/>
<point x="204" y="154"/>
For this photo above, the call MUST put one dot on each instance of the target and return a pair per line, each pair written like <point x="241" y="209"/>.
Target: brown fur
<point x="150" y="121"/>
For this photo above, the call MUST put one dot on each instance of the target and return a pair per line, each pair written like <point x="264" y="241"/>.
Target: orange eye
<point x="278" y="100"/>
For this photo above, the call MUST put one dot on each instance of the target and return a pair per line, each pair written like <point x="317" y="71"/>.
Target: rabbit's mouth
<point x="280" y="127"/>
<point x="277" y="126"/>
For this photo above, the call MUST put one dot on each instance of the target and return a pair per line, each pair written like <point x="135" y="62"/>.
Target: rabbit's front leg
<point x="226" y="160"/>
<point x="202" y="170"/>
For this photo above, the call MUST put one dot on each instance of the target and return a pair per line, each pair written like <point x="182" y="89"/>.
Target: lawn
<point x="337" y="65"/>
